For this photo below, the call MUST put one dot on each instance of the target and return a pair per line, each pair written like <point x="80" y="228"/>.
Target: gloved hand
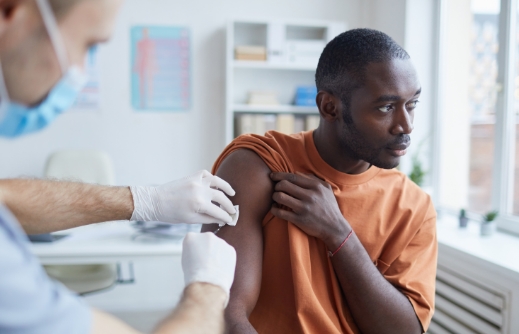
<point x="188" y="200"/>
<point x="208" y="259"/>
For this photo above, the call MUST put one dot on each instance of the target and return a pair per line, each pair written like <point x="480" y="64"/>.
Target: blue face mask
<point x="20" y="120"/>
<point x="17" y="119"/>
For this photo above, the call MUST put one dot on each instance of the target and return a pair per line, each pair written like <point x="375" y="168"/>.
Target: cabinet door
<point x="276" y="38"/>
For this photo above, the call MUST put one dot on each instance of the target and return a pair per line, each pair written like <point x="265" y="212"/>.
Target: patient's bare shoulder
<point x="244" y="163"/>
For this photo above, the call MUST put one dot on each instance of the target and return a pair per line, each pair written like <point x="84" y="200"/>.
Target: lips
<point x="398" y="150"/>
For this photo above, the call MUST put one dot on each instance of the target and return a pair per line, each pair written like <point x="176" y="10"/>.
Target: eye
<point x="387" y="108"/>
<point x="411" y="105"/>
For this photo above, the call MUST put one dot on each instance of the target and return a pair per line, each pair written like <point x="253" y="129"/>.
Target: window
<point x="482" y="95"/>
<point x="477" y="127"/>
<point x="515" y="210"/>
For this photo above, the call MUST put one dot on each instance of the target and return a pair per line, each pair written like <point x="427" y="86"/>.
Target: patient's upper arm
<point x="248" y="174"/>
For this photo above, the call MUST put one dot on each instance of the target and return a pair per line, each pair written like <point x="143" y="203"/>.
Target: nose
<point x="402" y="121"/>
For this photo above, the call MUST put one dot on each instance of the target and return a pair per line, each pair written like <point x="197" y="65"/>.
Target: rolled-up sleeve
<point x="30" y="302"/>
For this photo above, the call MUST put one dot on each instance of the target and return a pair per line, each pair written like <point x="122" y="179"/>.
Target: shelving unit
<point x="281" y="72"/>
<point x="289" y="109"/>
<point x="266" y="65"/>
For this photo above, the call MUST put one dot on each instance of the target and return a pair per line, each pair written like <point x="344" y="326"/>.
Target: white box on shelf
<point x="276" y="43"/>
<point x="305" y="47"/>
<point x="304" y="52"/>
<point x="263" y="98"/>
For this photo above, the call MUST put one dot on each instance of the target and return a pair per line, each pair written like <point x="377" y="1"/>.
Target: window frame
<point x="504" y="154"/>
<point x="505" y="122"/>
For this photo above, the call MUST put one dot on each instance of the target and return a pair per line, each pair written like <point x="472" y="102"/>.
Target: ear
<point x="330" y="107"/>
<point x="8" y="9"/>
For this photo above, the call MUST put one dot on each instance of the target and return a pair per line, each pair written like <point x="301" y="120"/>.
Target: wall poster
<point x="161" y="68"/>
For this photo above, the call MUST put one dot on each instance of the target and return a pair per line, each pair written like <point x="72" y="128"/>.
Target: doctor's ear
<point x="329" y="106"/>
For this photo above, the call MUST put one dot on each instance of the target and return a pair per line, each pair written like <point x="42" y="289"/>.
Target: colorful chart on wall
<point x="161" y="68"/>
<point x="89" y="96"/>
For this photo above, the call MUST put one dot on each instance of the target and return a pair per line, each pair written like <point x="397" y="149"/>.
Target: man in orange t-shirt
<point x="331" y="238"/>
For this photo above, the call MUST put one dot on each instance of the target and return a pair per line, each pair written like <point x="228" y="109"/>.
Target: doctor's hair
<point x="342" y="65"/>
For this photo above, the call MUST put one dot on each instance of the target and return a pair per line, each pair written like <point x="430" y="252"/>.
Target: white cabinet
<point x="292" y="50"/>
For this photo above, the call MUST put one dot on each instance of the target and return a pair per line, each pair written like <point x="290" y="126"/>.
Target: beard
<point x="356" y="145"/>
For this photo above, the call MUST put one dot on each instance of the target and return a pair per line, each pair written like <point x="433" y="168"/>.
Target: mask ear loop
<point x="49" y="20"/>
<point x="4" y="96"/>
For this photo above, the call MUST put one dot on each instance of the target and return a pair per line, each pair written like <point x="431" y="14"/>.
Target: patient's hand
<point x="314" y="207"/>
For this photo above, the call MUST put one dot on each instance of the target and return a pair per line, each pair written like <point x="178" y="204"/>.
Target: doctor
<point x="43" y="44"/>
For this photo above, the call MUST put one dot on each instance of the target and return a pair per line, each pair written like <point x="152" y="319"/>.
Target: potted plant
<point x="488" y="225"/>
<point x="463" y="218"/>
<point x="417" y="174"/>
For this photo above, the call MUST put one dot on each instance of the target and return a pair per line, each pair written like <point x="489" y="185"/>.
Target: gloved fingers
<point x="204" y="173"/>
<point x="225" y="203"/>
<point x="216" y="212"/>
<point x="188" y="239"/>
<point x="209" y="259"/>
<point x="216" y="182"/>
<point x="207" y="245"/>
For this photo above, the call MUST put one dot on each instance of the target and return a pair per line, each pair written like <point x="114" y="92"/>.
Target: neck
<point x="335" y="155"/>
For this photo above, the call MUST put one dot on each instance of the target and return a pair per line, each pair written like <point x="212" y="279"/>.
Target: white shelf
<point x="276" y="74"/>
<point x="266" y="65"/>
<point x="274" y="109"/>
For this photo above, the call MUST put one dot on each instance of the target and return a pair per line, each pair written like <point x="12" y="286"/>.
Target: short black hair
<point x="343" y="62"/>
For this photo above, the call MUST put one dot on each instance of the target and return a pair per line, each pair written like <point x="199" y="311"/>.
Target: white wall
<point x="420" y="34"/>
<point x="454" y="141"/>
<point x="157" y="147"/>
<point x="388" y="16"/>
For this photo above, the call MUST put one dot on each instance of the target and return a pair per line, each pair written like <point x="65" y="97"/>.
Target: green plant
<point x="463" y="213"/>
<point x="490" y="216"/>
<point x="417" y="174"/>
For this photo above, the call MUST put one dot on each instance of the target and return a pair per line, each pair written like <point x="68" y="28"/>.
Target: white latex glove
<point x="188" y="200"/>
<point x="208" y="259"/>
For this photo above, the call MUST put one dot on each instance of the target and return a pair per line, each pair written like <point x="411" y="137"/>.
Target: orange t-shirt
<point x="392" y="217"/>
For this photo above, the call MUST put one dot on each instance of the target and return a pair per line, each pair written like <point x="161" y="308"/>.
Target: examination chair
<point x="89" y="166"/>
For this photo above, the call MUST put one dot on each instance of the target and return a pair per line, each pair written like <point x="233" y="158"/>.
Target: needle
<point x="217" y="230"/>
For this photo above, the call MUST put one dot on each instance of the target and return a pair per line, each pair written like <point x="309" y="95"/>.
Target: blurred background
<point x="179" y="80"/>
